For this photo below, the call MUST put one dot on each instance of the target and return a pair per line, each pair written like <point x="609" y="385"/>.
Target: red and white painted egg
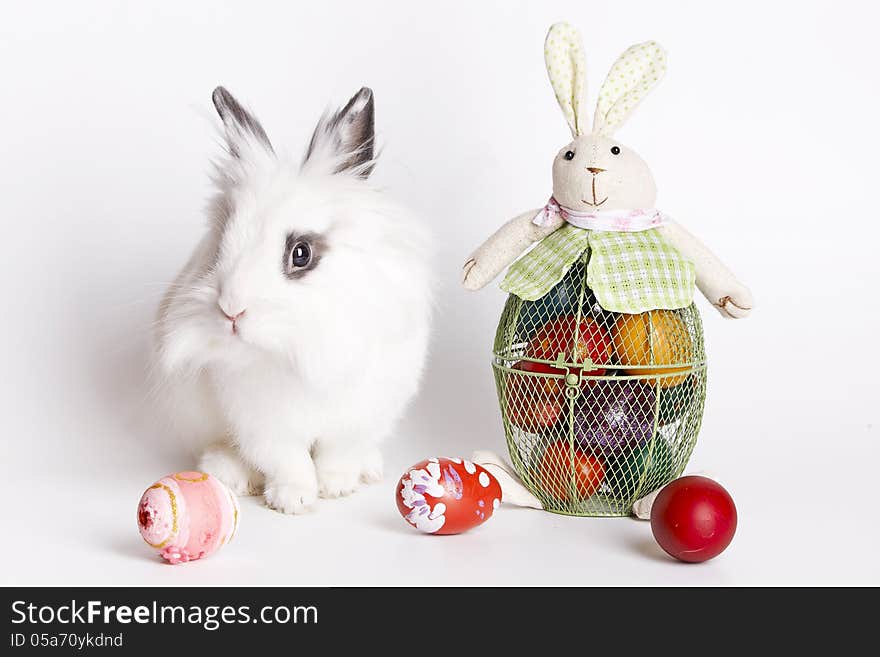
<point x="447" y="495"/>
<point x="187" y="516"/>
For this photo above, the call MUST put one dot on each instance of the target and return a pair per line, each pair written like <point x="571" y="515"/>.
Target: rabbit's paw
<point x="337" y="480"/>
<point x="372" y="475"/>
<point x="372" y="470"/>
<point x="222" y="462"/>
<point x="289" y="498"/>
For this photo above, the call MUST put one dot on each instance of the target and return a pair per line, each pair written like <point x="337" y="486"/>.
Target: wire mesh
<point x="599" y="408"/>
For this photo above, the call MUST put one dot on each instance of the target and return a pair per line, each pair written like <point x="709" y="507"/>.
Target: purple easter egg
<point x="615" y="414"/>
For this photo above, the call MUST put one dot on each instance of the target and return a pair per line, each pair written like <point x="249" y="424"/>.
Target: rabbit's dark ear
<point x="346" y="137"/>
<point x="240" y="125"/>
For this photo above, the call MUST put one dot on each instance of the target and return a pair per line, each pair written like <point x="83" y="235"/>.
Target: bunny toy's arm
<point x="503" y="247"/>
<point x="717" y="283"/>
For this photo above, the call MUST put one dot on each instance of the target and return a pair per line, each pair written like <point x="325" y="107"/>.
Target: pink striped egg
<point x="187" y="516"/>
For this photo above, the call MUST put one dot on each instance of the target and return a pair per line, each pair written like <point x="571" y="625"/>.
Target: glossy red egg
<point x="693" y="519"/>
<point x="447" y="495"/>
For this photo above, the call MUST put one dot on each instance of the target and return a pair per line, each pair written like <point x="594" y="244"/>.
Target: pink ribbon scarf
<point x="616" y="221"/>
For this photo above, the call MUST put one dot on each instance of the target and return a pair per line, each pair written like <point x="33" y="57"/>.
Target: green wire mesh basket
<point x="599" y="408"/>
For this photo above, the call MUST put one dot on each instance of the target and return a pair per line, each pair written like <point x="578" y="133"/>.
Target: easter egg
<point x="657" y="337"/>
<point x="639" y="470"/>
<point x="549" y="385"/>
<point x="561" y="300"/>
<point x="615" y="414"/>
<point x="576" y="340"/>
<point x="569" y="474"/>
<point x="564" y="298"/>
<point x="693" y="519"/>
<point x="534" y="402"/>
<point x="447" y="495"/>
<point x="187" y="516"/>
<point x="676" y="400"/>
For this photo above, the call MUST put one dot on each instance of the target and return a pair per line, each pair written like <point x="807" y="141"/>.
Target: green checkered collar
<point x="614" y="221"/>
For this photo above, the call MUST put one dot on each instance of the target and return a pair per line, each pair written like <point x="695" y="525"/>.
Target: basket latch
<point x="573" y="374"/>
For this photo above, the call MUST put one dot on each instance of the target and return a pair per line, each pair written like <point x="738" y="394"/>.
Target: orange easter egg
<point x="657" y="337"/>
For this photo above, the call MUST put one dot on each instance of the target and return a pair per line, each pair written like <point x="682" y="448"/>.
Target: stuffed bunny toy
<point x="603" y="200"/>
<point x="293" y="338"/>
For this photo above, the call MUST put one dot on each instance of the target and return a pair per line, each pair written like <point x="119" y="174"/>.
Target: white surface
<point x="763" y="140"/>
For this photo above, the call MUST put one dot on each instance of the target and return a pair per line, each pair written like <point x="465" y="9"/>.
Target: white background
<point x="763" y="139"/>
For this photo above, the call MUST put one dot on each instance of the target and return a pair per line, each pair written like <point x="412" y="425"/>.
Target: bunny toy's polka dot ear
<point x="566" y="66"/>
<point x="633" y="75"/>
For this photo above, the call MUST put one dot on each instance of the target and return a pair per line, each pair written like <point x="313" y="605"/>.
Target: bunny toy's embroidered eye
<point x="615" y="150"/>
<point x="569" y="155"/>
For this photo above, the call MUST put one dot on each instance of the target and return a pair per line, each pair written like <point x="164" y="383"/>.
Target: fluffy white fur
<point x="597" y="178"/>
<point x="295" y="402"/>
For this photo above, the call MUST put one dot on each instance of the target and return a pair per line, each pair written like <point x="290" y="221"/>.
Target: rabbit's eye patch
<point x="301" y="254"/>
<point x="615" y="150"/>
<point x="569" y="155"/>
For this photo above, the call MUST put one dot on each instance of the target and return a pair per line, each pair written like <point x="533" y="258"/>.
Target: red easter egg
<point x="542" y="385"/>
<point x="558" y="337"/>
<point x="693" y="519"/>
<point x="447" y="495"/>
<point x="563" y="464"/>
<point x="534" y="402"/>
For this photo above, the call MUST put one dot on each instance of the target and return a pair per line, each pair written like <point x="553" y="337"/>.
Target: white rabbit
<point x="595" y="174"/>
<point x="296" y="334"/>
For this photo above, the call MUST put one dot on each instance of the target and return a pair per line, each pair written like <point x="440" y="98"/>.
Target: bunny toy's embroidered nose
<point x="595" y="170"/>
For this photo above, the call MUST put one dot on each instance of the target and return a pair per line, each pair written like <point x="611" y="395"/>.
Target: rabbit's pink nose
<point x="595" y="170"/>
<point x="232" y="317"/>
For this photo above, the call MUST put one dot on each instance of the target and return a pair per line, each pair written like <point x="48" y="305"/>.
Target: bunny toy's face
<point x="595" y="173"/>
